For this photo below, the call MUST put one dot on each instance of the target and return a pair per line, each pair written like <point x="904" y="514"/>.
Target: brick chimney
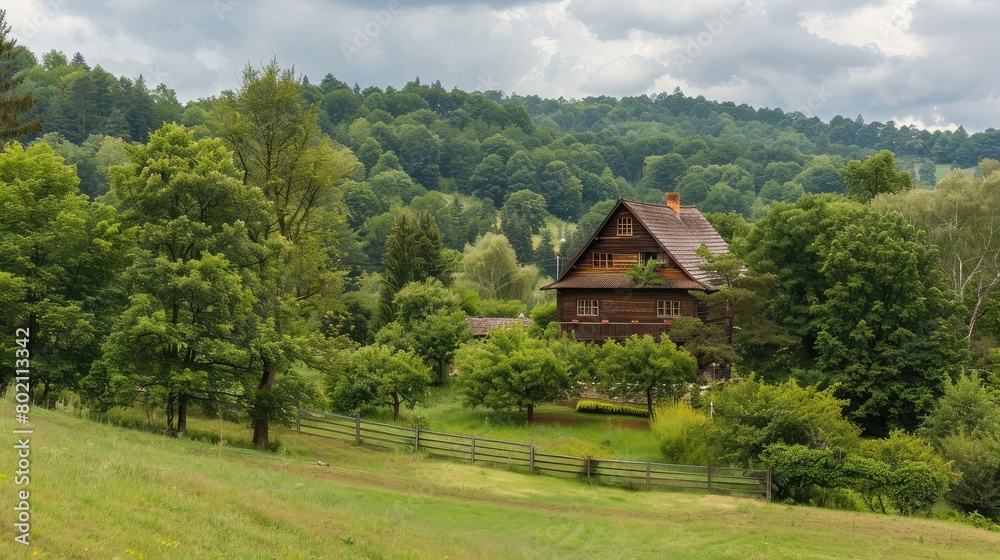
<point x="674" y="202"/>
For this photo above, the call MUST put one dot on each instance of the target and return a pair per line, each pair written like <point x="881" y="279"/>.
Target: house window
<point x="604" y="260"/>
<point x="625" y="226"/>
<point x="668" y="308"/>
<point x="586" y="307"/>
<point x="646" y="257"/>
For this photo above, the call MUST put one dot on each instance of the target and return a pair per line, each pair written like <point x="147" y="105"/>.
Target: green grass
<point x="104" y="492"/>
<point x="558" y="428"/>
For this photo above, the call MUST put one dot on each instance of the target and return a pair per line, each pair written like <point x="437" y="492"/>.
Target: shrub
<point x="751" y="415"/>
<point x="797" y="470"/>
<point x="978" y="461"/>
<point x="682" y="433"/>
<point x="605" y="407"/>
<point x="915" y="487"/>
<point x="869" y="478"/>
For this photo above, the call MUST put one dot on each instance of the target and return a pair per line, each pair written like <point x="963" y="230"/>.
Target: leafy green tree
<point x="876" y="175"/>
<point x="186" y="298"/>
<point x="59" y="258"/>
<point x="13" y="105"/>
<point x="489" y="180"/>
<point x="978" y="461"/>
<point x="562" y="190"/>
<point x="646" y="274"/>
<point x="966" y="407"/>
<point x="369" y="153"/>
<point x="798" y="469"/>
<point x="430" y="321"/>
<point x="510" y="371"/>
<point x="380" y="375"/>
<point x="279" y="149"/>
<point x="663" y="172"/>
<point x="641" y="366"/>
<point x="529" y="206"/>
<point x="861" y="292"/>
<point x="752" y="415"/>
<point x="490" y="267"/>
<point x="960" y="218"/>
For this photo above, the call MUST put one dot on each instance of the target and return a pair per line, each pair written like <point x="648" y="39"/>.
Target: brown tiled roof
<point x="618" y="280"/>
<point x="680" y="235"/>
<point x="483" y="325"/>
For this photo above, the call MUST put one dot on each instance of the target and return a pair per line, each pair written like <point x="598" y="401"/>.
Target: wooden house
<point x="597" y="300"/>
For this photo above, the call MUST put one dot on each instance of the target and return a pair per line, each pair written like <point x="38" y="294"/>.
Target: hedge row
<point x="603" y="407"/>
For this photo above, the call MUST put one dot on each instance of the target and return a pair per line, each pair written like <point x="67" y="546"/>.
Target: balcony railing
<point x="614" y="331"/>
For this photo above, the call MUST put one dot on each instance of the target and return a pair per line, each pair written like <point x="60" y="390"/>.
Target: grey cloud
<point x="624" y="76"/>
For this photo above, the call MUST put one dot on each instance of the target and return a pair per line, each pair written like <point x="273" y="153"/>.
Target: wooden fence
<point x="630" y="474"/>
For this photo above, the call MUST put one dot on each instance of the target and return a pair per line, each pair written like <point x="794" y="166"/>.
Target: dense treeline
<point x="202" y="254"/>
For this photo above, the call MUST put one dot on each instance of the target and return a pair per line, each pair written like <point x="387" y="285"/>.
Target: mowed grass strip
<point x="104" y="492"/>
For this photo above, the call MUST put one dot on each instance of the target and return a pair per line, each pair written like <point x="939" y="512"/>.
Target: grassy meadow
<point x="99" y="491"/>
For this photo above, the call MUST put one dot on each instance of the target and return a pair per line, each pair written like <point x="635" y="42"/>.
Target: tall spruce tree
<point x="13" y="105"/>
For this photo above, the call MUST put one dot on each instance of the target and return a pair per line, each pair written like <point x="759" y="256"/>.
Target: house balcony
<point x="613" y="331"/>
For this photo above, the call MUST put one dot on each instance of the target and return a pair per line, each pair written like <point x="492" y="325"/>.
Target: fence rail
<point x="631" y="474"/>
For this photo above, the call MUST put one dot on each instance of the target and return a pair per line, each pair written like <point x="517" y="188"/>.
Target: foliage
<point x="683" y="434"/>
<point x="12" y="105"/>
<point x="510" y="371"/>
<point x="490" y="267"/>
<point x="861" y="292"/>
<point x="646" y="274"/>
<point x="412" y="254"/>
<point x="605" y="407"/>
<point x="641" y="366"/>
<point x="60" y="257"/>
<point x="380" y="375"/>
<point x="750" y="415"/>
<point x="429" y="321"/>
<point x="870" y="478"/>
<point x="960" y="219"/>
<point x="966" y="407"/>
<point x="797" y="470"/>
<point x="978" y="461"/>
<point x="876" y="175"/>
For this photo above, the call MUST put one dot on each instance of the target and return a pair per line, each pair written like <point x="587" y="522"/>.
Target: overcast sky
<point x="929" y="63"/>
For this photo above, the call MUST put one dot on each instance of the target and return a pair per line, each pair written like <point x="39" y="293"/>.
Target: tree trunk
<point x="531" y="413"/>
<point x="170" y="413"/>
<point x="649" y="403"/>
<point x="182" y="401"/>
<point x="395" y="407"/>
<point x="260" y="424"/>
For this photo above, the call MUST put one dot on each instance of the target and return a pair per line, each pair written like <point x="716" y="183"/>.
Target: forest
<point x="203" y="255"/>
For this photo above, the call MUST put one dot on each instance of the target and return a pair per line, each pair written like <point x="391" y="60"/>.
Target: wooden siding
<point x="625" y="250"/>
<point x="623" y="306"/>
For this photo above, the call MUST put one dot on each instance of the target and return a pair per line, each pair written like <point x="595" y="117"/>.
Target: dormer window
<point x="625" y="226"/>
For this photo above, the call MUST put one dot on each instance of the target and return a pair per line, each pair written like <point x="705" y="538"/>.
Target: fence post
<point x="769" y="485"/>
<point x="473" y="449"/>
<point x="357" y="427"/>
<point x="416" y="438"/>
<point x="298" y="419"/>
<point x="586" y="465"/>
<point x="531" y="458"/>
<point x="647" y="475"/>
<point x="710" y="479"/>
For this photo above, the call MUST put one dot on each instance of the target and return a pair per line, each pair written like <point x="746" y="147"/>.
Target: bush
<point x="796" y="471"/>
<point x="751" y="415"/>
<point x="605" y="407"/>
<point x="915" y="487"/>
<point x="682" y="433"/>
<point x="978" y="461"/>
<point x="869" y="478"/>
